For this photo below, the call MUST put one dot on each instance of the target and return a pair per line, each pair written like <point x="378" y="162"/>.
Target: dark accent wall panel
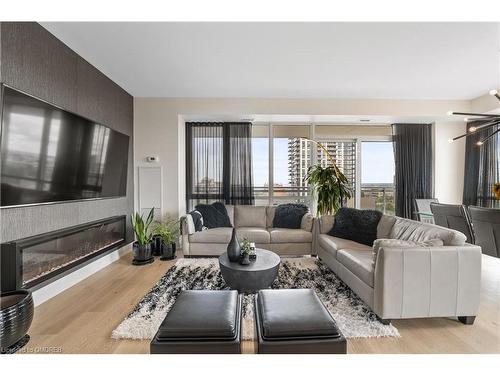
<point x="35" y="61"/>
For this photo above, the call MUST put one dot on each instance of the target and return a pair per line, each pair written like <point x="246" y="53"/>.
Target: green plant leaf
<point x="330" y="188"/>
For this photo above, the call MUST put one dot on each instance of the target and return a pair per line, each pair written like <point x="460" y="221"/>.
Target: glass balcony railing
<point x="378" y="197"/>
<point x="373" y="196"/>
<point x="282" y="194"/>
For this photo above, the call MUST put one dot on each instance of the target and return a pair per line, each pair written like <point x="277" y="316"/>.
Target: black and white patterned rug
<point x="353" y="317"/>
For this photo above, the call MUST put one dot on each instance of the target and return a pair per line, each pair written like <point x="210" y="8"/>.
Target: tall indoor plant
<point x="330" y="186"/>
<point x="143" y="235"/>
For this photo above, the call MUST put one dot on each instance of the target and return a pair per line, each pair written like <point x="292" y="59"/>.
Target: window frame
<point x="312" y="131"/>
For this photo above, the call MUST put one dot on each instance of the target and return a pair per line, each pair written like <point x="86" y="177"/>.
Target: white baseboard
<point x="51" y="290"/>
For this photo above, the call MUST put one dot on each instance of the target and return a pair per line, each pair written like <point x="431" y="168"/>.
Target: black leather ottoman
<point x="201" y="322"/>
<point x="295" y="321"/>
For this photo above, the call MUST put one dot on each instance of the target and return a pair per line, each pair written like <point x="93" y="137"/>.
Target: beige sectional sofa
<point x="254" y="223"/>
<point x="400" y="282"/>
<point x="408" y="282"/>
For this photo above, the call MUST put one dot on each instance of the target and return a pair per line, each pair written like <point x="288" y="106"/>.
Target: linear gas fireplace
<point x="35" y="261"/>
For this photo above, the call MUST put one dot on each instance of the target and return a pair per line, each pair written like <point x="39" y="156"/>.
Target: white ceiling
<point x="299" y="60"/>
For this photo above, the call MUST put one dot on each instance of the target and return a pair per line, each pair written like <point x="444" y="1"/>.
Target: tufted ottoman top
<point x="294" y="313"/>
<point x="202" y="314"/>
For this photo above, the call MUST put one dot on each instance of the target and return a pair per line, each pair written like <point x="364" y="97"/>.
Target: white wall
<point x="159" y="129"/>
<point x="485" y="103"/>
<point x="449" y="161"/>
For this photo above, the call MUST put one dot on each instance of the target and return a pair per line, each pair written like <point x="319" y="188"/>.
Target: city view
<point x="292" y="158"/>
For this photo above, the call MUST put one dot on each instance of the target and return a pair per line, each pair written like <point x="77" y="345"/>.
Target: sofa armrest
<point x="326" y="223"/>
<point x="307" y="222"/>
<point x="427" y="281"/>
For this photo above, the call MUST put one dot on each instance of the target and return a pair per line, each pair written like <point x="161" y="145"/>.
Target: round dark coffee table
<point x="253" y="277"/>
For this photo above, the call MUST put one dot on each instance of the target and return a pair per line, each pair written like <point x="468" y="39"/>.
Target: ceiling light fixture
<point x="484" y="120"/>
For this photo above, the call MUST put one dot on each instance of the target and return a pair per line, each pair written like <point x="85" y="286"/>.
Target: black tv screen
<point x="51" y="155"/>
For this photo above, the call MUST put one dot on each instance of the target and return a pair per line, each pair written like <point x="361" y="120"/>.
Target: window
<point x="218" y="163"/>
<point x="205" y="168"/>
<point x="344" y="154"/>
<point x="363" y="153"/>
<point x="377" y="176"/>
<point x="291" y="159"/>
<point x="260" y="164"/>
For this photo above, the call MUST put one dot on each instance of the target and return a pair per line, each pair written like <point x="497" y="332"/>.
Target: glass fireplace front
<point x="42" y="257"/>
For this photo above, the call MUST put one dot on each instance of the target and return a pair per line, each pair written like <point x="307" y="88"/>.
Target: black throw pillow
<point x="198" y="220"/>
<point x="356" y="225"/>
<point x="214" y="215"/>
<point x="221" y="207"/>
<point x="289" y="215"/>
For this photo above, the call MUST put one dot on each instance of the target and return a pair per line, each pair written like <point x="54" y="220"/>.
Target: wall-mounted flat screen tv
<point x="51" y="155"/>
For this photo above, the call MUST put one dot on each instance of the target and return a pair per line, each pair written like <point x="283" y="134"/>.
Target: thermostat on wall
<point x="153" y="159"/>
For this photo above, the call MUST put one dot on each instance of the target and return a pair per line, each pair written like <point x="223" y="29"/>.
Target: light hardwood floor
<point x="81" y="319"/>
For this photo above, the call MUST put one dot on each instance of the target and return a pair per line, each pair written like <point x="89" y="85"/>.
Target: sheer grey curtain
<point x="481" y="169"/>
<point x="413" y="162"/>
<point x="219" y="163"/>
<point x="238" y="178"/>
<point x="204" y="163"/>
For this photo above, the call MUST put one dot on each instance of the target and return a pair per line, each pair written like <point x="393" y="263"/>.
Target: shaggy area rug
<point x="353" y="317"/>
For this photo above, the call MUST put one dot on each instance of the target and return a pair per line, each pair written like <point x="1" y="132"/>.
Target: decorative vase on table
<point x="233" y="248"/>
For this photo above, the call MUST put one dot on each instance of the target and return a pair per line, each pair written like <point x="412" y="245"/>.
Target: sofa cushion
<point x="411" y="230"/>
<point x="307" y="222"/>
<point x="385" y="225"/>
<point x="359" y="262"/>
<point x="214" y="235"/>
<point x="270" y="210"/>
<point x="289" y="215"/>
<point x="250" y="216"/>
<point x="356" y="225"/>
<point x="401" y="244"/>
<point x="326" y="223"/>
<point x="253" y="234"/>
<point x="332" y="244"/>
<point x="283" y="235"/>
<point x="230" y="213"/>
<point x="214" y="215"/>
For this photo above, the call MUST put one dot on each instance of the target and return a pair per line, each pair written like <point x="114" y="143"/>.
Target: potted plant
<point x="330" y="186"/>
<point x="246" y="250"/>
<point x="166" y="232"/>
<point x="143" y="235"/>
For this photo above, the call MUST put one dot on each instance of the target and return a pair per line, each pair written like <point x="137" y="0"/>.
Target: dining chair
<point x="422" y="211"/>
<point x="453" y="216"/>
<point x="486" y="226"/>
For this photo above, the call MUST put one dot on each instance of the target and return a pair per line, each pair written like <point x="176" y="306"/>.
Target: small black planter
<point x="245" y="260"/>
<point x="156" y="245"/>
<point x="16" y="315"/>
<point x="167" y="251"/>
<point x="142" y="254"/>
